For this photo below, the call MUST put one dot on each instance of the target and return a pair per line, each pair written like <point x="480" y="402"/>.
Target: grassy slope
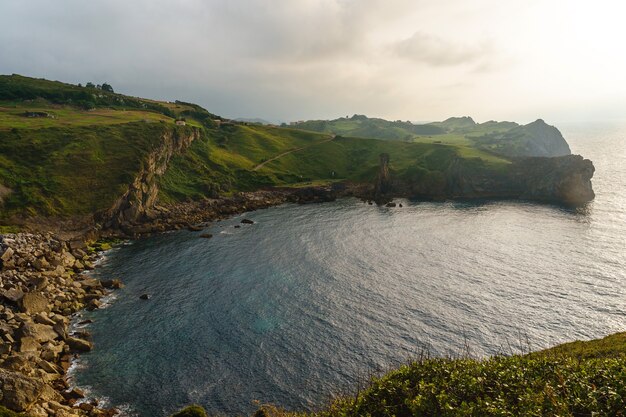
<point x="75" y="170"/>
<point x="569" y="380"/>
<point x="83" y="158"/>
<point x="573" y="379"/>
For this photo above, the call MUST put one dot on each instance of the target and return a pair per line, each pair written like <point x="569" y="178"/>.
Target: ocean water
<point x="311" y="300"/>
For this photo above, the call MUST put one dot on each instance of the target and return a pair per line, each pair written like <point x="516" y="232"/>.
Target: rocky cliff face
<point x="136" y="203"/>
<point x="535" y="139"/>
<point x="383" y="182"/>
<point x="565" y="179"/>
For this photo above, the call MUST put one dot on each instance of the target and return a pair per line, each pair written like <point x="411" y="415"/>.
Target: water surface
<point x="311" y="299"/>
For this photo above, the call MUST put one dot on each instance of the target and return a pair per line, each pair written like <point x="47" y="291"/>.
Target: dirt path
<point x="256" y="168"/>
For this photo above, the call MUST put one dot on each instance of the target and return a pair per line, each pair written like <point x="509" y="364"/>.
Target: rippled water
<point x="311" y="299"/>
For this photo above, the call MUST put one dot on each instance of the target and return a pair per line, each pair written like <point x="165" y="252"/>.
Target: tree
<point x="90" y="85"/>
<point x="107" y="87"/>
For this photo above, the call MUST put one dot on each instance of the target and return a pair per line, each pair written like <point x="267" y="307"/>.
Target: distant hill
<point x="362" y="126"/>
<point x="253" y="120"/>
<point x="504" y="138"/>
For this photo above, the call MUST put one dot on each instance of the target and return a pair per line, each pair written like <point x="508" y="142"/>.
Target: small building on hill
<point x="180" y="122"/>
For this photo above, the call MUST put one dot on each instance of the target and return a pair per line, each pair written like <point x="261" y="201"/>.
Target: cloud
<point x="435" y="51"/>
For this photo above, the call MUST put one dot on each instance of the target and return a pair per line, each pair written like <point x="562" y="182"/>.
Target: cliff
<point x="564" y="180"/>
<point x="138" y="202"/>
<point x="535" y="139"/>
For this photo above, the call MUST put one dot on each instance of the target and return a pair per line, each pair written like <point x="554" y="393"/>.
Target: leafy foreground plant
<point x="191" y="411"/>
<point x="572" y="380"/>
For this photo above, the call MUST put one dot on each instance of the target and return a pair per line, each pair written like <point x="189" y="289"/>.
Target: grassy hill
<point x="67" y="150"/>
<point x="503" y="138"/>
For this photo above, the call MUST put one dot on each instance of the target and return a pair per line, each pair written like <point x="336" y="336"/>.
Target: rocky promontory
<point x="562" y="180"/>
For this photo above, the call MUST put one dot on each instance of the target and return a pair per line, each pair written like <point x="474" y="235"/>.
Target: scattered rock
<point x="8" y="253"/>
<point x="75" y="393"/>
<point x="79" y="345"/>
<point x="19" y="392"/>
<point x="237" y="226"/>
<point x="247" y="221"/>
<point x="114" y="284"/>
<point x="14" y="295"/>
<point x="400" y="205"/>
<point x="145" y="296"/>
<point x="195" y="228"/>
<point x="33" y="303"/>
<point x="390" y="204"/>
<point x="206" y="235"/>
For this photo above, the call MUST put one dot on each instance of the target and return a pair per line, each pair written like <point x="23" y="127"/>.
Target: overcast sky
<point x="285" y="60"/>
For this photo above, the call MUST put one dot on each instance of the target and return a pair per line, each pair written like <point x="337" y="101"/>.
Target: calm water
<point x="311" y="299"/>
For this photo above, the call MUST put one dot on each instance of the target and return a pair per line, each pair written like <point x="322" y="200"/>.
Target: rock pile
<point x="41" y="287"/>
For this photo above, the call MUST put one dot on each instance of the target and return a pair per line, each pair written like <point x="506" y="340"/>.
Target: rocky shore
<point x="41" y="288"/>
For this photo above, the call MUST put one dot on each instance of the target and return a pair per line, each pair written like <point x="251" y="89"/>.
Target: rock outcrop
<point x="565" y="179"/>
<point x="383" y="182"/>
<point x="138" y="202"/>
<point x="536" y="139"/>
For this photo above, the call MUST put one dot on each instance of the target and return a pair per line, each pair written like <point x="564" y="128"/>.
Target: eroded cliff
<point x="137" y="203"/>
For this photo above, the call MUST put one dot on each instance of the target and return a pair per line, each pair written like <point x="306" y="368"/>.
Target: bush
<point x="191" y="411"/>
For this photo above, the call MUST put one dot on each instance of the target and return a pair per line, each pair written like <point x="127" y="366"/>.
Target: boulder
<point x="145" y="296"/>
<point x="18" y="391"/>
<point x="8" y="254"/>
<point x="14" y="295"/>
<point x="206" y="235"/>
<point x="29" y="344"/>
<point x="79" y="345"/>
<point x="114" y="284"/>
<point x="74" y="393"/>
<point x="247" y="221"/>
<point x="42" y="318"/>
<point x="33" y="303"/>
<point x="42" y="333"/>
<point x="94" y="305"/>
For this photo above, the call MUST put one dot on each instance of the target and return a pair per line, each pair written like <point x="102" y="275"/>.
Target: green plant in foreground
<point x="191" y="411"/>
<point x="5" y="412"/>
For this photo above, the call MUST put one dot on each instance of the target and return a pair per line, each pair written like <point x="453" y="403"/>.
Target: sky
<point x="285" y="60"/>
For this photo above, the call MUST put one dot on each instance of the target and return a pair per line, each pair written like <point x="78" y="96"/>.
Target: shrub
<point x="191" y="411"/>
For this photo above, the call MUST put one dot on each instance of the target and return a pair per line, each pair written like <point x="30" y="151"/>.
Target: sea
<point x="309" y="302"/>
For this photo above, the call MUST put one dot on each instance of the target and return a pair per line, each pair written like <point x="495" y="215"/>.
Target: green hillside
<point x="503" y="138"/>
<point x="67" y="150"/>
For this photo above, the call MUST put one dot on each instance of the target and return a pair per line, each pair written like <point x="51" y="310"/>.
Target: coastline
<point x="45" y="285"/>
<point x="65" y="265"/>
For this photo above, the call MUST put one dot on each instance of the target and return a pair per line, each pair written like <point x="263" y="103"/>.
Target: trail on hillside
<point x="256" y="168"/>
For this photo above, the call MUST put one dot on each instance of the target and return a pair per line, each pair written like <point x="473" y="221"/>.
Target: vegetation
<point x="191" y="411"/>
<point x="5" y="412"/>
<point x="68" y="150"/>
<point x="569" y="380"/>
<point x="73" y="171"/>
<point x="502" y="138"/>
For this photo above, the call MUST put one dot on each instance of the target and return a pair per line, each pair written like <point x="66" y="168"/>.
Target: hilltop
<point x="101" y="158"/>
<point x="508" y="139"/>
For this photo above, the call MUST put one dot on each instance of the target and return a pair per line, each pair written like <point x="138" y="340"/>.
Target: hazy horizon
<point x="285" y="61"/>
